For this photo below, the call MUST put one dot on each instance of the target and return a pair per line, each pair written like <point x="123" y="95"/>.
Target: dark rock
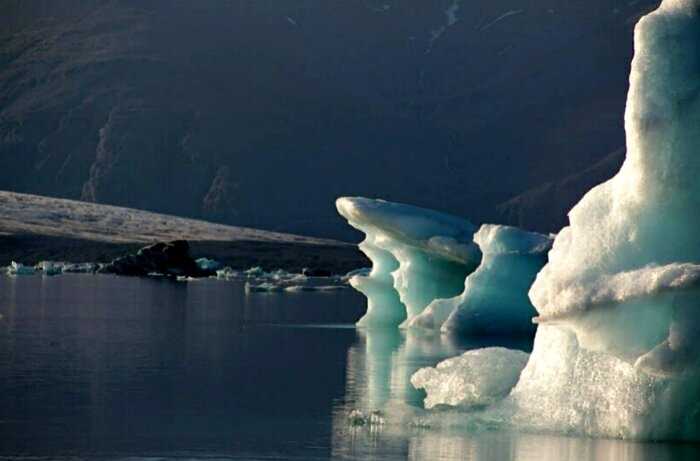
<point x="315" y="272"/>
<point x="171" y="259"/>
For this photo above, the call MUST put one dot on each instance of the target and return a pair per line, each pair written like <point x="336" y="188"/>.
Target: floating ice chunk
<point x="263" y="287"/>
<point x="16" y="268"/>
<point x="494" y="300"/>
<point x="259" y="281"/>
<point x="185" y="278"/>
<point x="322" y="288"/>
<point x="81" y="268"/>
<point x="476" y="378"/>
<point x="228" y="273"/>
<point x="422" y="254"/>
<point x="254" y="271"/>
<point x="207" y="264"/>
<point x="50" y="267"/>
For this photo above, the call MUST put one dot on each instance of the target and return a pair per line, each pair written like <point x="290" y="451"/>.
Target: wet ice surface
<point x="136" y="368"/>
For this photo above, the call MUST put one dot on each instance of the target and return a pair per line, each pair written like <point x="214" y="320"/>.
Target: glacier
<point x="417" y="255"/>
<point x="616" y="352"/>
<point x="495" y="297"/>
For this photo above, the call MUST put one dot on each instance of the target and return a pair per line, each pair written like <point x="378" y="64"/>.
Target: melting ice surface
<point x="424" y="273"/>
<point x="417" y="256"/>
<point x="616" y="353"/>
<point x="494" y="300"/>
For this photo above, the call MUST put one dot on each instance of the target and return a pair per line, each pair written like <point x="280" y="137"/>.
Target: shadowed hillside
<point x="261" y="113"/>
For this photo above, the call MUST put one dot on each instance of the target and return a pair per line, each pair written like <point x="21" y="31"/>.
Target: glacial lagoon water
<point x="119" y="368"/>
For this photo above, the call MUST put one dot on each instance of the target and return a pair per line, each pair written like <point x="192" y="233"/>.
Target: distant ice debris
<point x="475" y="379"/>
<point x="81" y="268"/>
<point x="417" y="256"/>
<point x="207" y="264"/>
<point x="16" y="268"/>
<point x="51" y="268"/>
<point x="258" y="281"/>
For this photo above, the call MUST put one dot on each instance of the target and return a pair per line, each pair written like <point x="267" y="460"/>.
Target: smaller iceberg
<point x="50" y="267"/>
<point x="208" y="265"/>
<point x="417" y="256"/>
<point x="476" y="378"/>
<point x="495" y="298"/>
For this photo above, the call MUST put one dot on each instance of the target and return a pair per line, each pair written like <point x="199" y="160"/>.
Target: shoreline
<point x="339" y="259"/>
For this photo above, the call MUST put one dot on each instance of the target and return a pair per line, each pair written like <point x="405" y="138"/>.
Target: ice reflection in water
<point x="379" y="367"/>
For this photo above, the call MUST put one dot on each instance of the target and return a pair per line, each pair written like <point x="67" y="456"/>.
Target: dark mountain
<point x="545" y="207"/>
<point x="260" y="113"/>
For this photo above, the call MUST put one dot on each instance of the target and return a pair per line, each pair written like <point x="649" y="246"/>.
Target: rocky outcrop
<point x="170" y="259"/>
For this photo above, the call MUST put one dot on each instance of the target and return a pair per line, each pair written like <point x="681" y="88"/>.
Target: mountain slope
<point x="34" y="228"/>
<point x="545" y="208"/>
<point x="262" y="113"/>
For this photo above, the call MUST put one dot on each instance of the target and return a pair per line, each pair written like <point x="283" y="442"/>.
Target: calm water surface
<point x="114" y="368"/>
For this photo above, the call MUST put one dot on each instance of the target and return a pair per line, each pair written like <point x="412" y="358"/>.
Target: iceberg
<point x="616" y="352"/>
<point x="475" y="379"/>
<point x="417" y="256"/>
<point x="495" y="297"/>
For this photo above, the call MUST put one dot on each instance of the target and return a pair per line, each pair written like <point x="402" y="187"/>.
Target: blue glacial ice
<point x="495" y="297"/>
<point x="417" y="256"/>
<point x="207" y="264"/>
<point x="616" y="352"/>
<point x="421" y="259"/>
<point x="16" y="268"/>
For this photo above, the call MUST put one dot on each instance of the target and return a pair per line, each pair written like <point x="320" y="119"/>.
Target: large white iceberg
<point x="617" y="350"/>
<point x="495" y="297"/>
<point x="418" y="255"/>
